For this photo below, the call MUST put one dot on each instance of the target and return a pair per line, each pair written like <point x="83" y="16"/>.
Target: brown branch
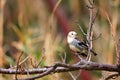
<point x="40" y="75"/>
<point x="64" y="68"/>
<point x="41" y="59"/>
<point x="74" y="77"/>
<point x="89" y="31"/>
<point x="91" y="2"/>
<point x="112" y="76"/>
<point x="18" y="65"/>
<point x="114" y="39"/>
<point x="43" y="56"/>
<point x="82" y="30"/>
<point x="61" y="67"/>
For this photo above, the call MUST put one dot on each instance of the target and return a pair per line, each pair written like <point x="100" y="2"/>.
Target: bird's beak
<point x="76" y="35"/>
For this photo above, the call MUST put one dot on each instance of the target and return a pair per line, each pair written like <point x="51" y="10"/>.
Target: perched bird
<point x="76" y="45"/>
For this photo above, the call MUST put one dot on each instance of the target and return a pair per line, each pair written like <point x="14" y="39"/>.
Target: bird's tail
<point x="93" y="52"/>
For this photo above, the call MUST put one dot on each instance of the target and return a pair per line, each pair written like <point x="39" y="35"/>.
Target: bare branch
<point x="97" y="37"/>
<point x="63" y="58"/>
<point x="40" y="75"/>
<point x="18" y="65"/>
<point x="94" y="17"/>
<point x="89" y="31"/>
<point x="73" y="77"/>
<point x="82" y="30"/>
<point x="112" y="76"/>
<point x="78" y="74"/>
<point x="61" y="67"/>
<point x="113" y="37"/>
<point x="21" y="62"/>
<point x="43" y="56"/>
<point x="91" y="2"/>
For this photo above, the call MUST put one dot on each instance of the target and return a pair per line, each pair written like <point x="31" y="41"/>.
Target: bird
<point x="77" y="45"/>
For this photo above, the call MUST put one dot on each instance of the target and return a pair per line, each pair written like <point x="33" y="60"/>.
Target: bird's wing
<point x="78" y="44"/>
<point x="82" y="44"/>
<point x="86" y="47"/>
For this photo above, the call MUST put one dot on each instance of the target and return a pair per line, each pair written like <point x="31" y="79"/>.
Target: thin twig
<point x="89" y="33"/>
<point x="94" y="18"/>
<point x="63" y="58"/>
<point x="35" y="65"/>
<point x="103" y="75"/>
<point x="21" y="62"/>
<point x="41" y="59"/>
<point x="77" y="75"/>
<point x="73" y="77"/>
<point x="42" y="74"/>
<point x="82" y="30"/>
<point x="64" y="61"/>
<point x="91" y="2"/>
<point x="97" y="37"/>
<point x="113" y="36"/>
<point x="18" y="65"/>
<point x="112" y="76"/>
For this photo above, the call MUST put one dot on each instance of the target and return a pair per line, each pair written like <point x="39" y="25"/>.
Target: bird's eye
<point x="72" y="33"/>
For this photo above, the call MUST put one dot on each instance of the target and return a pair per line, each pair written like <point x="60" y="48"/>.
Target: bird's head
<point x="71" y="35"/>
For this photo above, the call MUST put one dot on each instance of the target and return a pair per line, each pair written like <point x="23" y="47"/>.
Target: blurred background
<point x="31" y="27"/>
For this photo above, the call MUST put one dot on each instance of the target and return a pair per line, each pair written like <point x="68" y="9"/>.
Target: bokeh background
<point x="29" y="26"/>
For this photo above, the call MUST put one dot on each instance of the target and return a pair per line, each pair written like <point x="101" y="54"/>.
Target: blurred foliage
<point x="27" y="28"/>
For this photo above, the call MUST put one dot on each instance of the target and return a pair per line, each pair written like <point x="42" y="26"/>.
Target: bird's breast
<point x="72" y="47"/>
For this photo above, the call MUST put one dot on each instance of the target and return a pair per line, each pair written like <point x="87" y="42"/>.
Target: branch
<point x="113" y="34"/>
<point x="112" y="76"/>
<point x="41" y="75"/>
<point x="61" y="67"/>
<point x="18" y="65"/>
<point x="89" y="31"/>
